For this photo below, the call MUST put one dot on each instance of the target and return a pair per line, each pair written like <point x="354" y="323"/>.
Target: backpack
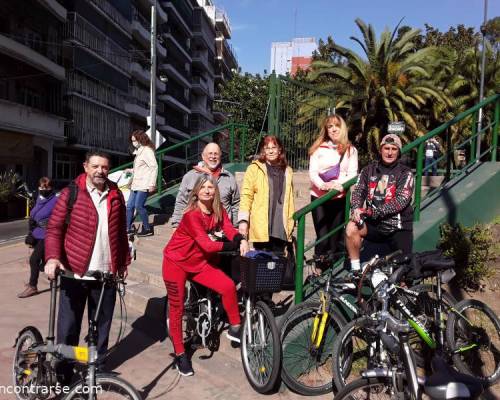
<point x="73" y="194"/>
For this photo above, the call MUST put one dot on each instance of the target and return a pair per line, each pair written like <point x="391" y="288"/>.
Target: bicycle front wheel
<point x="261" y="348"/>
<point x="473" y="333"/>
<point x="108" y="387"/>
<point x="356" y="349"/>
<point x="367" y="388"/>
<point x="307" y="364"/>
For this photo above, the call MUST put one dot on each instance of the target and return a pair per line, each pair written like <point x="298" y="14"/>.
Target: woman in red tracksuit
<point x="189" y="255"/>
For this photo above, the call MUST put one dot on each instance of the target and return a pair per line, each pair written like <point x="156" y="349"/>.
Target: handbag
<point x="288" y="282"/>
<point x="331" y="173"/>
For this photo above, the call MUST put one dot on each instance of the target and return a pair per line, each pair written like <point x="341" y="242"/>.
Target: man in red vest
<point x="93" y="238"/>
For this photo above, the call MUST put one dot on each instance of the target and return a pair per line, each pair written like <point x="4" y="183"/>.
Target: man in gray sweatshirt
<point x="211" y="165"/>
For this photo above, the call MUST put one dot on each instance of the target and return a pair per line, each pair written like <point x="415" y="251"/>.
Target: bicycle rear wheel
<point x="473" y="330"/>
<point x="306" y="367"/>
<point x="261" y="349"/>
<point x="24" y="366"/>
<point x="367" y="388"/>
<point x="108" y="387"/>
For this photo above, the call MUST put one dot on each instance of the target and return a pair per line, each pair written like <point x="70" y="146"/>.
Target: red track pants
<point x="214" y="279"/>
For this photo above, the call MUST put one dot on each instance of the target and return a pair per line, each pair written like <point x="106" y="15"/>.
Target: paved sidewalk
<point x="141" y="359"/>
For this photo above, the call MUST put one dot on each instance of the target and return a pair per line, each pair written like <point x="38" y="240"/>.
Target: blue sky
<point x="258" y="23"/>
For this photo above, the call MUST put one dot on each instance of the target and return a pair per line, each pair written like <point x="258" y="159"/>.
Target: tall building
<point x="75" y="75"/>
<point x="31" y="83"/>
<point x="289" y="57"/>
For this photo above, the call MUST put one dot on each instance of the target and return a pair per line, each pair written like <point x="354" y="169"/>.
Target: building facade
<point x="75" y="75"/>
<point x="32" y="76"/>
<point x="289" y="57"/>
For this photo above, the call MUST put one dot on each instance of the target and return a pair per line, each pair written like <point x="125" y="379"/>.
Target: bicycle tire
<point x="463" y="326"/>
<point x="305" y="370"/>
<point x="256" y="368"/>
<point x="367" y="388"/>
<point x="28" y="337"/>
<point x="105" y="384"/>
<point x="352" y="347"/>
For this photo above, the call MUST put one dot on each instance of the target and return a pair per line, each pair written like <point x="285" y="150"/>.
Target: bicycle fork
<point x="319" y="323"/>
<point x="260" y="324"/>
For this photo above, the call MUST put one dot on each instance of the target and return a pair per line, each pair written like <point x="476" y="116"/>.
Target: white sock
<point x="355" y="265"/>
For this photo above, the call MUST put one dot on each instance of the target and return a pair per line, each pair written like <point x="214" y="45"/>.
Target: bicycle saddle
<point x="446" y="383"/>
<point x="438" y="264"/>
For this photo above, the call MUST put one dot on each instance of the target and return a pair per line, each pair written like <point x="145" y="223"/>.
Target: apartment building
<point x="85" y="78"/>
<point x="31" y="83"/>
<point x="289" y="57"/>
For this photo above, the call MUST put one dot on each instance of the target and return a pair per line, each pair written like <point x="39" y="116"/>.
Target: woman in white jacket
<point x="143" y="180"/>
<point x="333" y="161"/>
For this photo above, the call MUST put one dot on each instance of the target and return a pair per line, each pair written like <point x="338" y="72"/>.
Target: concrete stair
<point x="145" y="288"/>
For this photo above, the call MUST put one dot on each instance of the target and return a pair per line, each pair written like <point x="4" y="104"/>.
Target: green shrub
<point x="470" y="248"/>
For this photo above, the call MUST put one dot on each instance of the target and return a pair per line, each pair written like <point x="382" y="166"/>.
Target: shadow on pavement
<point x="145" y="332"/>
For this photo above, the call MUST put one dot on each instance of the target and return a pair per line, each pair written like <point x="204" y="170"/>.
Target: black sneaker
<point x="234" y="334"/>
<point x="145" y="232"/>
<point x="183" y="365"/>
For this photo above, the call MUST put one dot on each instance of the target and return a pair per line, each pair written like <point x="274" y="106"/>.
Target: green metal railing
<point x="418" y="145"/>
<point x="231" y="137"/>
<point x="294" y="111"/>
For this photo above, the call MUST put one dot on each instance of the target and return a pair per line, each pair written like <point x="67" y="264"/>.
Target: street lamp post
<point x="481" y="85"/>
<point x="152" y="100"/>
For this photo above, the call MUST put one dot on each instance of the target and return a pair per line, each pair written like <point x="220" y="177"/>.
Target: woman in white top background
<point x="333" y="161"/>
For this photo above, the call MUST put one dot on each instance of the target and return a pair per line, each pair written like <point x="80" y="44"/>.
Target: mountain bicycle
<point x="472" y="329"/>
<point x="400" y="380"/>
<point x="260" y="348"/>
<point x="35" y="366"/>
<point x="309" y="330"/>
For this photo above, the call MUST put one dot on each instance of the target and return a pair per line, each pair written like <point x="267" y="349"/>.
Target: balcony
<point x="181" y="11"/>
<point x="200" y="86"/>
<point x="222" y="23"/>
<point x="33" y="53"/>
<point x="141" y="31"/>
<point x="172" y="101"/>
<point x="201" y="59"/>
<point x="176" y="71"/>
<point x="20" y="118"/>
<point x="143" y="75"/>
<point x="108" y="10"/>
<point x="204" y="111"/>
<point x="95" y="90"/>
<point x="81" y="31"/>
<point x="226" y="54"/>
<point x="55" y="8"/>
<point x="179" y="40"/>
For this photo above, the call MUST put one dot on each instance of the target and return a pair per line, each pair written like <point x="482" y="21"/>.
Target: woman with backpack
<point x="39" y="218"/>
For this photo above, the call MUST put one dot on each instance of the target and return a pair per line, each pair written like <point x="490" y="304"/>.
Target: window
<point x="64" y="166"/>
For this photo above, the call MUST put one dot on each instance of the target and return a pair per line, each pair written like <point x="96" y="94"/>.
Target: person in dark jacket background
<point x="39" y="218"/>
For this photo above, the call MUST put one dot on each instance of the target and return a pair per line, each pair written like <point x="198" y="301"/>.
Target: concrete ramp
<point x="468" y="199"/>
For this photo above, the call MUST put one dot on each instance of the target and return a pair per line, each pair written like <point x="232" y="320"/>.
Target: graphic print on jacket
<point x="388" y="191"/>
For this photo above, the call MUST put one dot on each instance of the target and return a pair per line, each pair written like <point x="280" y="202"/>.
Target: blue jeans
<point x="433" y="169"/>
<point x="136" y="201"/>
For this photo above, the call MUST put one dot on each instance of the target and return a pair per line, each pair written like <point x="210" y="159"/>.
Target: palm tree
<point x="392" y="83"/>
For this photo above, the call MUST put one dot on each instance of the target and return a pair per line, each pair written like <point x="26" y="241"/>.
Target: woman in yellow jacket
<point x="266" y="199"/>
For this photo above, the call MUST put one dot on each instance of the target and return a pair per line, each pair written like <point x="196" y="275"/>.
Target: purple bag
<point x="331" y="173"/>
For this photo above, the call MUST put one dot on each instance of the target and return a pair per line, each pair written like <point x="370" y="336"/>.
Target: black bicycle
<point x="35" y="367"/>
<point x="467" y="332"/>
